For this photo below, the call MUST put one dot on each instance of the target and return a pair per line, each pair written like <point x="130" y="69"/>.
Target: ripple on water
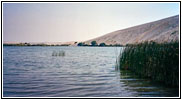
<point x="82" y="72"/>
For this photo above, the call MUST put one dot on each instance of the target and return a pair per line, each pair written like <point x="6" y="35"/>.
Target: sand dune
<point x="164" y="30"/>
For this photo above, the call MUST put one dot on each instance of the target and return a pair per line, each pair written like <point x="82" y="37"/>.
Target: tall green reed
<point x="158" y="61"/>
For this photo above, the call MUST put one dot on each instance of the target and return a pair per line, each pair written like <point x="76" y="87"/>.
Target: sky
<point x="64" y="22"/>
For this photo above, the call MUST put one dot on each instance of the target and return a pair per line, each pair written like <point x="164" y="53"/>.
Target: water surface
<point x="82" y="72"/>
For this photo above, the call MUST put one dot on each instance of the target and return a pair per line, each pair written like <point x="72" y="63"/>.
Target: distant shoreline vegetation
<point x="93" y="44"/>
<point x="157" y="61"/>
<point x="28" y="44"/>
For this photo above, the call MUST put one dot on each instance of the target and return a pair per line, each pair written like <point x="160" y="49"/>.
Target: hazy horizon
<point x="64" y="22"/>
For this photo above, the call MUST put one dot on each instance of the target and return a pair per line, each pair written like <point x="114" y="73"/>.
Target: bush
<point x="94" y="43"/>
<point x="102" y="44"/>
<point x="80" y="44"/>
<point x="159" y="62"/>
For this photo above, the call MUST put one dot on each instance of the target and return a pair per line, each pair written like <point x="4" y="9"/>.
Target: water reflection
<point x="146" y="87"/>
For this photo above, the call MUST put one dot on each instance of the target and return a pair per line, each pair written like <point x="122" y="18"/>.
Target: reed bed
<point x="160" y="62"/>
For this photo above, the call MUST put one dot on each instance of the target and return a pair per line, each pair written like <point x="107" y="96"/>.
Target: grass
<point x="160" y="62"/>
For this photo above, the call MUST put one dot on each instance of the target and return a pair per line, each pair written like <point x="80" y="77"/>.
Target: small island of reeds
<point x="157" y="61"/>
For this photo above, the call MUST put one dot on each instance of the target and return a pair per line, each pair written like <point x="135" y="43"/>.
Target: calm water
<point x="82" y="72"/>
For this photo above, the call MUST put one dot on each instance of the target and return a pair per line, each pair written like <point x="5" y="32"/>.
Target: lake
<point x="82" y="72"/>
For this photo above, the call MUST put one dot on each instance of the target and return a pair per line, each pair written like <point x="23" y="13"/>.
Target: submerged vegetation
<point x="160" y="62"/>
<point x="58" y="53"/>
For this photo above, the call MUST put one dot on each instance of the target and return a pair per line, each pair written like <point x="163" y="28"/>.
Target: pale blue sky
<point x="62" y="22"/>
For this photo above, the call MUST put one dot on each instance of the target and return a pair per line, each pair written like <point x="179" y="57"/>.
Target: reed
<point x="158" y="61"/>
<point x="58" y="53"/>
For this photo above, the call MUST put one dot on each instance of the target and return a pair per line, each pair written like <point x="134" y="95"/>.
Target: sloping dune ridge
<point x="164" y="30"/>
